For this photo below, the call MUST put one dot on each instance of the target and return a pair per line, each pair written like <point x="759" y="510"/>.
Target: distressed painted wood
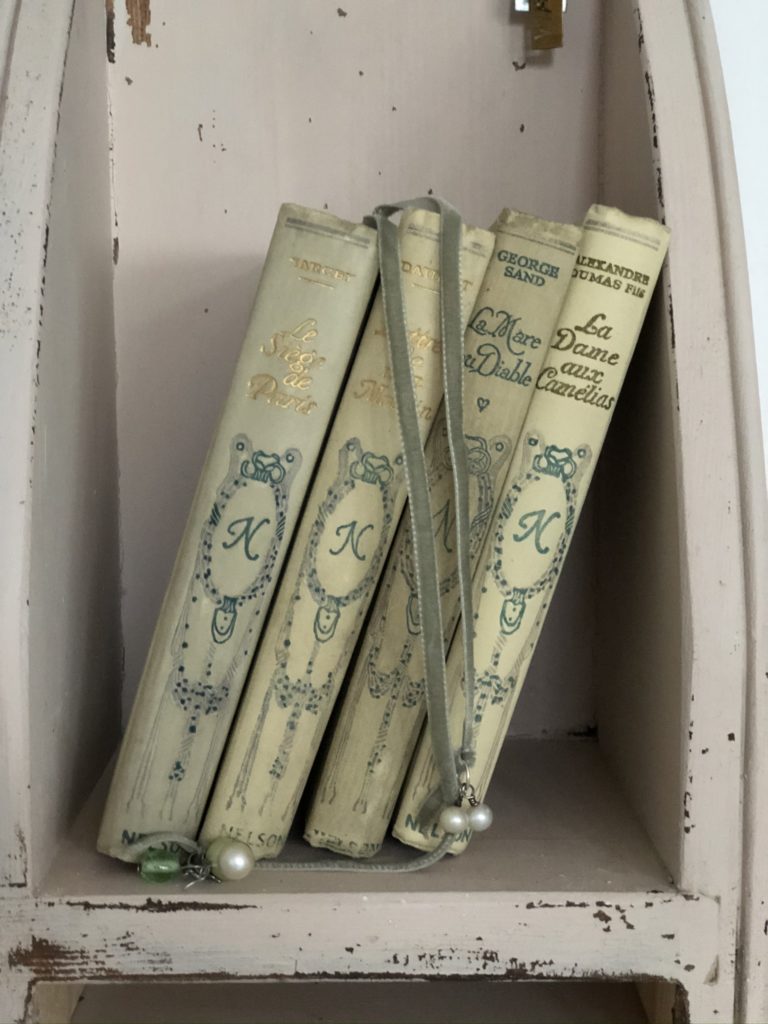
<point x="59" y="473"/>
<point x="533" y="935"/>
<point x="28" y="134"/>
<point x="752" y="955"/>
<point x="661" y="661"/>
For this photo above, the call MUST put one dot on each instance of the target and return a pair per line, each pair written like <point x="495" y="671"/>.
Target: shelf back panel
<point x="228" y="110"/>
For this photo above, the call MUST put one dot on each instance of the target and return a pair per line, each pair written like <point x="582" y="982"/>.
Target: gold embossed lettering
<point x="264" y="386"/>
<point x="321" y="269"/>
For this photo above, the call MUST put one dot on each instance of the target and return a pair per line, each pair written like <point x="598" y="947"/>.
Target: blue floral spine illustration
<point x="539" y="511"/>
<point x="374" y="480"/>
<point x="239" y="544"/>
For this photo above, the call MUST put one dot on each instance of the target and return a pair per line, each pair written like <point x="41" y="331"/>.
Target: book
<point x="312" y="297"/>
<point x="383" y="705"/>
<point x="353" y="510"/>
<point x="619" y="260"/>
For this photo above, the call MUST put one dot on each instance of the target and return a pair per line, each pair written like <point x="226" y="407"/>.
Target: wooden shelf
<point x="562" y="825"/>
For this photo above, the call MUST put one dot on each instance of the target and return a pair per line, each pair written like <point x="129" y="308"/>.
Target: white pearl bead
<point x="212" y="851"/>
<point x="230" y="859"/>
<point x="453" y="820"/>
<point x="480" y="817"/>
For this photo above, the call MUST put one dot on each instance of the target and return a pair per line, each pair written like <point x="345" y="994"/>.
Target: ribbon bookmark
<point x="453" y="765"/>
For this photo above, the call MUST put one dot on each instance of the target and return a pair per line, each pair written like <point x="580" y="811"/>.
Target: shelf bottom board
<point x="561" y="825"/>
<point x="360" y="1002"/>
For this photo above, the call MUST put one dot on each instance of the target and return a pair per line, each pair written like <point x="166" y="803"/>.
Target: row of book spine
<point x="535" y="418"/>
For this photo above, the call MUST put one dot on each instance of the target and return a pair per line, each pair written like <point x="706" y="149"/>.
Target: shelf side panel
<point x="34" y="40"/>
<point x="639" y="600"/>
<point x="74" y="638"/>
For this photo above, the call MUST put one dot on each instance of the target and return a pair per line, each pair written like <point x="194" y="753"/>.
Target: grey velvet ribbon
<point x="451" y="766"/>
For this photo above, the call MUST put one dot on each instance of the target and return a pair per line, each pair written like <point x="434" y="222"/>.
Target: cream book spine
<point x="575" y="393"/>
<point x="310" y="304"/>
<point x="383" y="704"/>
<point x="353" y="510"/>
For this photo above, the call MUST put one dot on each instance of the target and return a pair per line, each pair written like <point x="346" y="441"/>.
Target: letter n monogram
<point x="353" y="537"/>
<point x="246" y="534"/>
<point x="535" y="523"/>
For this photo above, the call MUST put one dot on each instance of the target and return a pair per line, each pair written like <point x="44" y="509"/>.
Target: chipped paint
<point x="40" y="955"/>
<point x="110" y="25"/>
<point x="139" y="17"/>
<point x="46" y="959"/>
<point x="156" y="906"/>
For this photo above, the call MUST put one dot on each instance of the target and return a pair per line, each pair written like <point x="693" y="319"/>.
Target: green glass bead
<point x="160" y="866"/>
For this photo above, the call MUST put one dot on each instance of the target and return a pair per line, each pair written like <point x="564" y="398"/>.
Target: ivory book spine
<point x="384" y="706"/>
<point x="340" y="548"/>
<point x="311" y="300"/>
<point x="575" y="394"/>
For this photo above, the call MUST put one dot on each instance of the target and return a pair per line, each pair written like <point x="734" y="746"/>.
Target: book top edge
<point x="646" y="230"/>
<point x="536" y="229"/>
<point x="294" y="215"/>
<point x="427" y="224"/>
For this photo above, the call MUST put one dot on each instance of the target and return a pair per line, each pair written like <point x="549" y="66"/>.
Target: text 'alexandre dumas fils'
<point x="582" y="374"/>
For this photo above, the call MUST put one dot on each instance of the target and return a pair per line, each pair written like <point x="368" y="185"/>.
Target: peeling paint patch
<point x="341" y="12"/>
<point x="519" y="66"/>
<point x="115" y="250"/>
<point x="139" y="17"/>
<point x="48" y="960"/>
<point x="604" y="918"/>
<point x="40" y="956"/>
<point x="659" y="189"/>
<point x="652" y="107"/>
<point x="156" y="906"/>
<point x="8" y="880"/>
<point x="110" y="4"/>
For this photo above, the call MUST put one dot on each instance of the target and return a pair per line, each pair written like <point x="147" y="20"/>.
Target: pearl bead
<point x="217" y="844"/>
<point x="480" y="817"/>
<point x="230" y="859"/>
<point x="453" y="820"/>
